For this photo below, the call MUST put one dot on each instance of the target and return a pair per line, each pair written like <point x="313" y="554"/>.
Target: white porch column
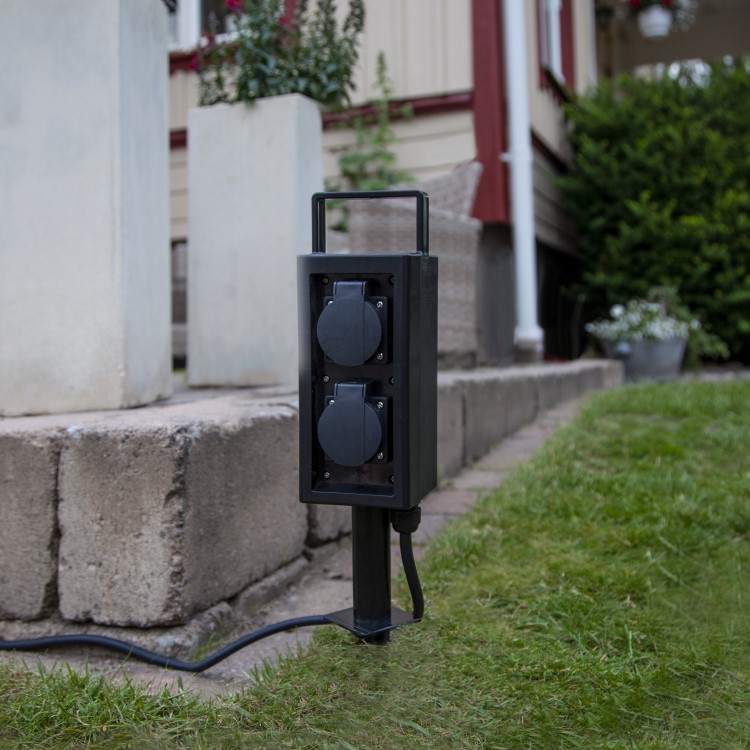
<point x="84" y="242"/>
<point x="251" y="175"/>
<point x="528" y="334"/>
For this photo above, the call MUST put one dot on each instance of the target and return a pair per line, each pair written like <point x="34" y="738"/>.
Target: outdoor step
<point x="147" y="517"/>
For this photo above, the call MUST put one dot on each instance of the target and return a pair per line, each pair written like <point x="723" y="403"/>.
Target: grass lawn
<point x="600" y="599"/>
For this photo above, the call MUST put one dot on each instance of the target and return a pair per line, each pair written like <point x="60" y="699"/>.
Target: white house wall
<point x="427" y="45"/>
<point x="426" y="146"/>
<point x="428" y="51"/>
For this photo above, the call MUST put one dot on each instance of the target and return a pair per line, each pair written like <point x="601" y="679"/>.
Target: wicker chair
<point x="377" y="226"/>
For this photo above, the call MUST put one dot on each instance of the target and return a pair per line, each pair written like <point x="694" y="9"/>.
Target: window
<point x="555" y="36"/>
<point x="550" y="54"/>
<point x="192" y="18"/>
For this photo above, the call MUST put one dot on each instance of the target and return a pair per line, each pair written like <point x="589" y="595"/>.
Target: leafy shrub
<point x="271" y="54"/>
<point x="660" y="191"/>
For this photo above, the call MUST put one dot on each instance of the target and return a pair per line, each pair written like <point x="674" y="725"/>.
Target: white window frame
<point x="550" y="38"/>
<point x="188" y="25"/>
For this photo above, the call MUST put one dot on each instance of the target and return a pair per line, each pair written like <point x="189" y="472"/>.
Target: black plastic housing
<point x="404" y="468"/>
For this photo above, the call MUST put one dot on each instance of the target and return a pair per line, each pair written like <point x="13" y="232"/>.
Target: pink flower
<point x="235" y="6"/>
<point x="195" y="64"/>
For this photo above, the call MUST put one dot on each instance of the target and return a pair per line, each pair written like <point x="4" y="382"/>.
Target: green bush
<point x="660" y="191"/>
<point x="272" y="54"/>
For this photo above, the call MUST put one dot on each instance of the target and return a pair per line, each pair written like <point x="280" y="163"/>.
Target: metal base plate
<point x="345" y="618"/>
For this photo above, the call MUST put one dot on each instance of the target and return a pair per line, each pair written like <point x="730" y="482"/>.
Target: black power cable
<point x="406" y="522"/>
<point x="412" y="579"/>
<point x="158" y="660"/>
<point x="150" y="657"/>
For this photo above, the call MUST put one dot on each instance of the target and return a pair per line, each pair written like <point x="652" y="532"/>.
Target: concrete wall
<point x="145" y="517"/>
<point x="84" y="273"/>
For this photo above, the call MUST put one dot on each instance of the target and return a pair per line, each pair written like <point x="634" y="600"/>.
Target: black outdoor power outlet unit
<point x="368" y="423"/>
<point x="368" y="369"/>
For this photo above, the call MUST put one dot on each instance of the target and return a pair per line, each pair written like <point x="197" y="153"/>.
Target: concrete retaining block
<point x="450" y="437"/>
<point x="519" y="399"/>
<point x="28" y="531"/>
<point x="120" y="522"/>
<point x="548" y="388"/>
<point x="161" y="520"/>
<point x="327" y="523"/>
<point x="485" y="422"/>
<point x="143" y="518"/>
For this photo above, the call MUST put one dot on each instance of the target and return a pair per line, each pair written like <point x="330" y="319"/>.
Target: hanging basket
<point x="654" y="22"/>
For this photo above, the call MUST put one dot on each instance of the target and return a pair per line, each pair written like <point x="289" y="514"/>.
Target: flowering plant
<point x="661" y="317"/>
<point x="639" y="320"/>
<point x="271" y="52"/>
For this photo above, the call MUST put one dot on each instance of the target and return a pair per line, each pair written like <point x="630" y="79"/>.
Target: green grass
<point x="601" y="599"/>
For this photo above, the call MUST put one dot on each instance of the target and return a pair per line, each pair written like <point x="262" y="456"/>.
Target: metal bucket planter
<point x="654" y="22"/>
<point x="649" y="359"/>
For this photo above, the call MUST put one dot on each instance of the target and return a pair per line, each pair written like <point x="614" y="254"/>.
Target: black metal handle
<point x="319" y="214"/>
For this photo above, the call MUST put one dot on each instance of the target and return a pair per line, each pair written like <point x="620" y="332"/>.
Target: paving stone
<point x="475" y="479"/>
<point x="448" y="501"/>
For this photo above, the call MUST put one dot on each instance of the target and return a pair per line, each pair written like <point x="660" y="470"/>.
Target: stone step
<point x="146" y="518"/>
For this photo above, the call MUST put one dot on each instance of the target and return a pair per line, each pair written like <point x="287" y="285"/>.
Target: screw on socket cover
<point x="349" y="328"/>
<point x="350" y="430"/>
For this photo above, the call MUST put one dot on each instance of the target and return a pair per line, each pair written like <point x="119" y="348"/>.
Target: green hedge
<point x="660" y="191"/>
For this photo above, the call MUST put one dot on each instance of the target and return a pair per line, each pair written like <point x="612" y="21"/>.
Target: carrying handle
<point x="319" y="214"/>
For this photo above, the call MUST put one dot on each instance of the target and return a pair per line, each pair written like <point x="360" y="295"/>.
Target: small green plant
<point x="370" y="164"/>
<point x="270" y="54"/>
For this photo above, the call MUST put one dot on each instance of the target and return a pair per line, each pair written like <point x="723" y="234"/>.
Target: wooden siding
<point x="426" y="145"/>
<point x="183" y="95"/>
<point x="178" y="209"/>
<point x="427" y="46"/>
<point x="553" y="226"/>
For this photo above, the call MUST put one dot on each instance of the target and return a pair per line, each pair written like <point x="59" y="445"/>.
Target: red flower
<point x="235" y="6"/>
<point x="195" y="64"/>
<point x="635" y="3"/>
<point x="667" y="3"/>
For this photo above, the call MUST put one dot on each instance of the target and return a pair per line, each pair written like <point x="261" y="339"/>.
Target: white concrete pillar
<point x="84" y="242"/>
<point x="252" y="170"/>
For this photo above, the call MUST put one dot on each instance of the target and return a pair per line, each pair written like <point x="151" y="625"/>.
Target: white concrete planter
<point x="654" y="22"/>
<point x="252" y="170"/>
